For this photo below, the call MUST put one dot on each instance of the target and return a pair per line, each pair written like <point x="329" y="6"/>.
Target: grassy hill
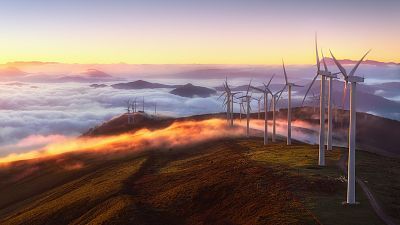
<point x="230" y="181"/>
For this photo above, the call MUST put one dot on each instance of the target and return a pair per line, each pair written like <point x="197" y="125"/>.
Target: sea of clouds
<point x="35" y="114"/>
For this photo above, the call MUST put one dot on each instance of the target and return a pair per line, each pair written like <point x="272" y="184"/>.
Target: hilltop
<point x="374" y="133"/>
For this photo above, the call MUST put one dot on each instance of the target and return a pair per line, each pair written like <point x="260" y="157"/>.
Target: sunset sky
<point x="204" y="32"/>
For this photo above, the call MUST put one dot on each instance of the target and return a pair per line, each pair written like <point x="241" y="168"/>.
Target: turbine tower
<point x="266" y="91"/>
<point x="134" y="108"/>
<point x="289" y="115"/>
<point x="143" y="105"/>
<point x="240" y="109"/>
<point x="351" y="169"/>
<point x="259" y="105"/>
<point x="324" y="74"/>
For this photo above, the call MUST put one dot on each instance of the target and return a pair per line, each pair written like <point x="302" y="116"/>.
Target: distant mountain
<point x="79" y="79"/>
<point x="190" y="91"/>
<point x="96" y="73"/>
<point x="10" y="72"/>
<point x="18" y="84"/>
<point x="98" y="85"/>
<point x="141" y="84"/>
<point x="89" y="76"/>
<point x="330" y="61"/>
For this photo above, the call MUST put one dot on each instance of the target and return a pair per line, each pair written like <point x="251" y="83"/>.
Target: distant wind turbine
<point x="228" y="101"/>
<point x="266" y="91"/>
<point x="247" y="100"/>
<point x="143" y="105"/>
<point x="128" y="109"/>
<point x="289" y="115"/>
<point x="274" y="101"/>
<point x="259" y="105"/>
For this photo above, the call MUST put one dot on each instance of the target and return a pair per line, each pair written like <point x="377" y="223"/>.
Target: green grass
<point x="302" y="160"/>
<point x="382" y="175"/>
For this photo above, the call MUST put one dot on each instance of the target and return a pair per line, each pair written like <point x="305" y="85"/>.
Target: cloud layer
<point x="72" y="108"/>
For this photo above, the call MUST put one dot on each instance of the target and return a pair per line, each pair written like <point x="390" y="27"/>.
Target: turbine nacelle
<point x="327" y="74"/>
<point x="356" y="79"/>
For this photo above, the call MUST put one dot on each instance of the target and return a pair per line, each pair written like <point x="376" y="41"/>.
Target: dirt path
<point x="372" y="200"/>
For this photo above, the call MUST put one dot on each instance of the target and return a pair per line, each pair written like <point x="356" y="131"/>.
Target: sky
<point x="199" y="32"/>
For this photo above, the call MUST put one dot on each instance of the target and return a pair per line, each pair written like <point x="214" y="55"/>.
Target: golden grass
<point x="235" y="181"/>
<point x="78" y="195"/>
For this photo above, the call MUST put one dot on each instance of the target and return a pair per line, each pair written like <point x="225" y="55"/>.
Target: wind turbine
<point x="228" y="101"/>
<point x="134" y="106"/>
<point x="259" y="105"/>
<point x="314" y="100"/>
<point x="247" y="99"/>
<point x="351" y="170"/>
<point x="324" y="74"/>
<point x="240" y="109"/>
<point x="289" y="115"/>
<point x="274" y="101"/>
<point x="266" y="91"/>
<point x="128" y="109"/>
<point x="143" y="104"/>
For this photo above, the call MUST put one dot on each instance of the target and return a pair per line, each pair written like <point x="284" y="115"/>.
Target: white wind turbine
<point x="128" y="109"/>
<point x="259" y="105"/>
<point x="266" y="91"/>
<point x="274" y="101"/>
<point x="247" y="100"/>
<point x="240" y="109"/>
<point x="314" y="101"/>
<point x="143" y="105"/>
<point x="324" y="74"/>
<point x="289" y="115"/>
<point x="351" y="170"/>
<point x="228" y="101"/>
<point x="134" y="108"/>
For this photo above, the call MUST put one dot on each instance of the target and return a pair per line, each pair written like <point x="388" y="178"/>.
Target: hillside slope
<point x="233" y="181"/>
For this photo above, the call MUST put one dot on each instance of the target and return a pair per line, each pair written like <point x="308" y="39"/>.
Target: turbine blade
<point x="280" y="94"/>
<point x="343" y="70"/>
<point x="256" y="88"/>
<point x="248" y="87"/>
<point x="269" y="82"/>
<point x="323" y="60"/>
<point x="359" y="62"/>
<point x="316" y="53"/>
<point x="284" y="71"/>
<point x="344" y="94"/>
<point x="309" y="88"/>
<point x="221" y="95"/>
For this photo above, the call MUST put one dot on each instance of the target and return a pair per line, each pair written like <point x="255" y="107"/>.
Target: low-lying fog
<point x="34" y="113"/>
